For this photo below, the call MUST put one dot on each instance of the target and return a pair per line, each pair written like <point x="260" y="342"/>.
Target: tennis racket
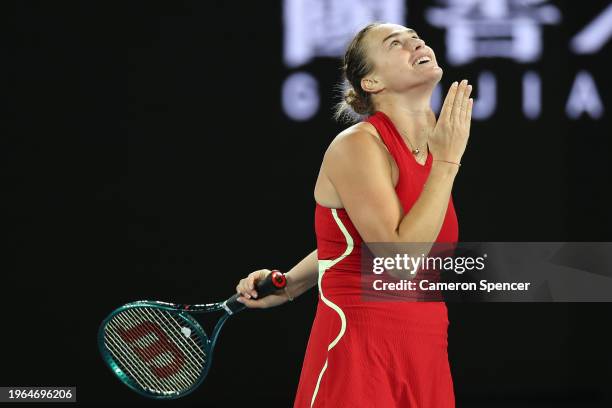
<point x="159" y="350"/>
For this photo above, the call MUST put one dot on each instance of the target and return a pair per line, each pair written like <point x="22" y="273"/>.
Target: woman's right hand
<point x="450" y="135"/>
<point x="248" y="292"/>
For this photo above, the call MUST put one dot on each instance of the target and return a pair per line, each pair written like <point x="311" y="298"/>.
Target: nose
<point x="416" y="44"/>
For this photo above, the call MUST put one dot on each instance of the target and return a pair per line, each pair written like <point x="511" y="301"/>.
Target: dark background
<point x="146" y="156"/>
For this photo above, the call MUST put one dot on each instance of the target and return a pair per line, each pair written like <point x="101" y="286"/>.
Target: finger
<point x="448" y="102"/>
<point x="455" y="114"/>
<point x="464" y="103"/>
<point x="258" y="276"/>
<point x="250" y="286"/>
<point x="469" y="115"/>
<point x="251" y="303"/>
<point x="242" y="289"/>
<point x="468" y="110"/>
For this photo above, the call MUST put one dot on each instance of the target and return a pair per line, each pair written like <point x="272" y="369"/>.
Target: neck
<point x="412" y="116"/>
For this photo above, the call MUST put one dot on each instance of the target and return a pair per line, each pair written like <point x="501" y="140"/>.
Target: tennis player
<point x="387" y="178"/>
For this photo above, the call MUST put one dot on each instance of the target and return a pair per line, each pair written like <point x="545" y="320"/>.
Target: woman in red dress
<point x="387" y="178"/>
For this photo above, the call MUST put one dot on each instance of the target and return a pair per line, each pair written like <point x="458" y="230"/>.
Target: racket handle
<point x="273" y="282"/>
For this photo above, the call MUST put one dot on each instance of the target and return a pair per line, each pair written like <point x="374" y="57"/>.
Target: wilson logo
<point x="161" y="345"/>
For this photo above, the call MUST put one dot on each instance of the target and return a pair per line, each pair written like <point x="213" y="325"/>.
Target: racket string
<point x="197" y="350"/>
<point x="127" y="364"/>
<point x="198" y="359"/>
<point x="195" y="365"/>
<point x="190" y="375"/>
<point x="152" y="356"/>
<point x="184" y="382"/>
<point x="156" y="384"/>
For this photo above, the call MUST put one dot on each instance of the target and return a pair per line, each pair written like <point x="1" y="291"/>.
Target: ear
<point x="371" y="84"/>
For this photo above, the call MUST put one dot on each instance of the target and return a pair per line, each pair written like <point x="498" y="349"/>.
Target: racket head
<point x="155" y="348"/>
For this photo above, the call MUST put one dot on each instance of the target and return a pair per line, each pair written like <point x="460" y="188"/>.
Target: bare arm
<point x="359" y="170"/>
<point x="300" y="278"/>
<point x="304" y="275"/>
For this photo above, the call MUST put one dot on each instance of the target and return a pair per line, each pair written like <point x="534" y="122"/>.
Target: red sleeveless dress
<point x="374" y="354"/>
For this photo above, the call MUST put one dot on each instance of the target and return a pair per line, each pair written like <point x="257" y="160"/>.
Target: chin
<point x="437" y="73"/>
<point x="432" y="76"/>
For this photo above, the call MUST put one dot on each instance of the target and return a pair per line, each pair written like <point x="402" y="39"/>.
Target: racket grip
<point x="273" y="282"/>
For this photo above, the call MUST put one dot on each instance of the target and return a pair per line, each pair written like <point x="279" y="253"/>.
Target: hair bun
<point x="350" y="96"/>
<point x="356" y="101"/>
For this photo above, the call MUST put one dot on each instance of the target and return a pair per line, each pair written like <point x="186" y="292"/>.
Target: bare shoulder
<point x="353" y="151"/>
<point x="355" y="142"/>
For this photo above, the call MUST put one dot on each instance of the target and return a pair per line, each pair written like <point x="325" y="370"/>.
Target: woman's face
<point x="401" y="59"/>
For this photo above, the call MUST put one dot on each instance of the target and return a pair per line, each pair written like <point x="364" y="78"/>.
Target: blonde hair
<point x="354" y="101"/>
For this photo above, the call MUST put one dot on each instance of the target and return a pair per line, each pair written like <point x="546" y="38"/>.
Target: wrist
<point x="445" y="168"/>
<point x="456" y="163"/>
<point x="289" y="289"/>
